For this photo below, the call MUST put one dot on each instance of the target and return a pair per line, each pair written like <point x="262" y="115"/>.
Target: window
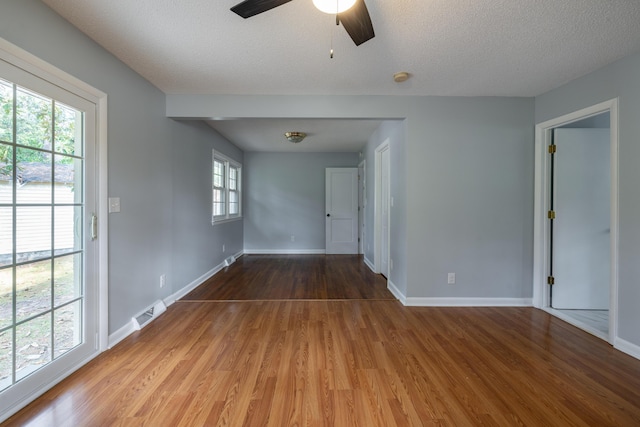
<point x="226" y="189"/>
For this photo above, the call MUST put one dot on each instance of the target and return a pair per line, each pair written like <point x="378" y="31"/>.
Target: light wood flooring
<point x="347" y="362"/>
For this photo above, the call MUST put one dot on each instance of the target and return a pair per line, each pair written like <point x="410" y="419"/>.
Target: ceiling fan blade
<point x="249" y="8"/>
<point x="357" y="22"/>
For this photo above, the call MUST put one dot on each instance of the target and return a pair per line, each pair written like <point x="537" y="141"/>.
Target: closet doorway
<point x="576" y="239"/>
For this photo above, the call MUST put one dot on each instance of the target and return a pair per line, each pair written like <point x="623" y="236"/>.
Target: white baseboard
<point x="369" y="264"/>
<point x="468" y="302"/>
<point x="129" y="328"/>
<point x="197" y="282"/>
<point x="396" y="292"/>
<point x="624" y="346"/>
<point x="284" y="251"/>
<point x="121" y="334"/>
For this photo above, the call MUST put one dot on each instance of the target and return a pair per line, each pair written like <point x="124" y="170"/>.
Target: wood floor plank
<point x="284" y="277"/>
<point x="317" y="363"/>
<point x="347" y="362"/>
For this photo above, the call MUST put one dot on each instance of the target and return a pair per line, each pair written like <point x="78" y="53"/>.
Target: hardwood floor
<point x="347" y="363"/>
<point x="278" y="277"/>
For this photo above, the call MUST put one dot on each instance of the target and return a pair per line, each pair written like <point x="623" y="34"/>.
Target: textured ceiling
<point x="450" y="47"/>
<point x="322" y="134"/>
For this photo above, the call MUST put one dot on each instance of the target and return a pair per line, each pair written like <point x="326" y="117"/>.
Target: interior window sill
<point x="225" y="220"/>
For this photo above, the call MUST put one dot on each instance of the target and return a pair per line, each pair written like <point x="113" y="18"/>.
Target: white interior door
<point x="341" y="193"/>
<point x="581" y="231"/>
<point x="48" y="284"/>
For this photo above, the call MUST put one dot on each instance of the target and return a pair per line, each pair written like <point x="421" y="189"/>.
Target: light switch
<point x="114" y="204"/>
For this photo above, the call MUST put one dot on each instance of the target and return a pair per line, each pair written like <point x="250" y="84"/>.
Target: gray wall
<point x="470" y="198"/>
<point x="284" y="195"/>
<point x="197" y="244"/>
<point x="468" y="175"/>
<point x="141" y="159"/>
<point x="619" y="79"/>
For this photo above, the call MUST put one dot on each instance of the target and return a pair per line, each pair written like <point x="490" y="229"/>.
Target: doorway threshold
<point x="585" y="320"/>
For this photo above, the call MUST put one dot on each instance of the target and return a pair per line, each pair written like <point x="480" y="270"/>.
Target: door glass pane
<point x="66" y="278"/>
<point x="6" y="236"/>
<point x="63" y="231"/>
<point x="67" y="328"/>
<point x="33" y="345"/>
<point x="6" y="358"/>
<point x="68" y="130"/>
<point x="6" y="173"/>
<point x="33" y="289"/>
<point x="6" y="298"/>
<point x="33" y="119"/>
<point x="33" y="176"/>
<point x="33" y="233"/>
<point x="6" y="111"/>
<point x="68" y="180"/>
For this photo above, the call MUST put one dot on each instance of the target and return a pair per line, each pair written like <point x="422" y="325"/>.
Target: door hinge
<point x="551" y="215"/>
<point x="550" y="280"/>
<point x="552" y="149"/>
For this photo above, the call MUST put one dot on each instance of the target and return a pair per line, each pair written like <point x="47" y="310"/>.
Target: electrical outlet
<point x="163" y="279"/>
<point x="223" y="247"/>
<point x="451" y="278"/>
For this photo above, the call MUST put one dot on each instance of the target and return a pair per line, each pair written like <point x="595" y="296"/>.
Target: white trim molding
<point x="468" y="302"/>
<point x="396" y="292"/>
<point x="627" y="347"/>
<point x="284" y="251"/>
<point x="197" y="282"/>
<point x="369" y="264"/>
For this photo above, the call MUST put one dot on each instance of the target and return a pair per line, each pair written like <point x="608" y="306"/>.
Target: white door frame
<point x="377" y="238"/>
<point x="20" y="58"/>
<point x="541" y="202"/>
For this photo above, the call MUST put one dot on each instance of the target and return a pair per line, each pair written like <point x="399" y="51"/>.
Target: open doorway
<point x="575" y="256"/>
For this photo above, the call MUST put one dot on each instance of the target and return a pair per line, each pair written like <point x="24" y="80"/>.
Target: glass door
<point x="48" y="295"/>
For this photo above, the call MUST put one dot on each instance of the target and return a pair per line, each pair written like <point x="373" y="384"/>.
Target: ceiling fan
<point x="355" y="20"/>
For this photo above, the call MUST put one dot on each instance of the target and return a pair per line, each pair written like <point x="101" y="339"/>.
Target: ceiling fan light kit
<point x="333" y="6"/>
<point x="355" y="20"/>
<point x="295" y="137"/>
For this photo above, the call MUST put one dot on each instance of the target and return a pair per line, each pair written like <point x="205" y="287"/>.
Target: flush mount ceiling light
<point x="333" y="6"/>
<point x="295" y="137"/>
<point x="400" y="77"/>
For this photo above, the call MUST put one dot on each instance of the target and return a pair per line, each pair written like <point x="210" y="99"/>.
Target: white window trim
<point x="218" y="219"/>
